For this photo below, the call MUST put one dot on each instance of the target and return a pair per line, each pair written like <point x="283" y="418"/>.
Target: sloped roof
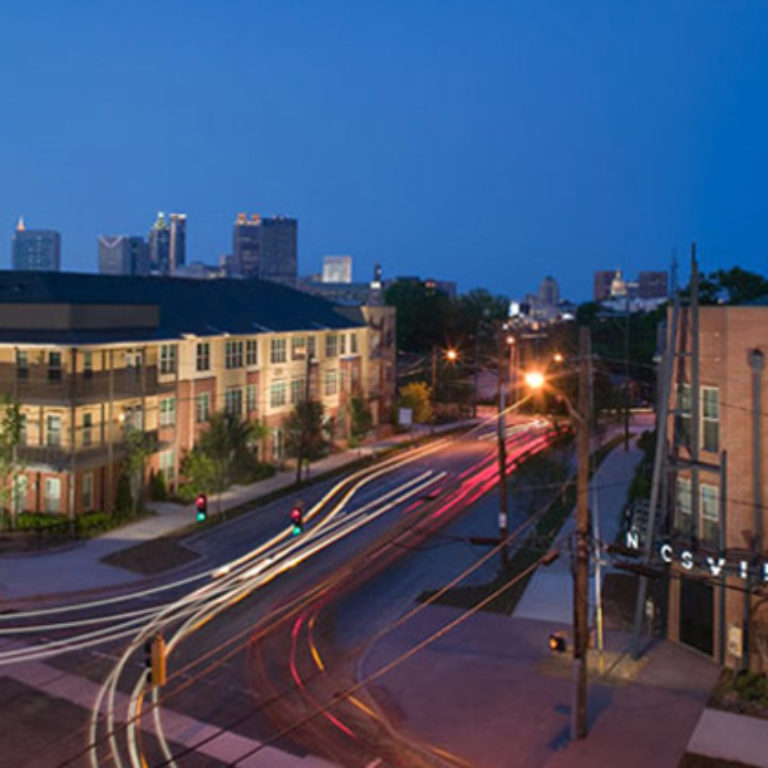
<point x="200" y="307"/>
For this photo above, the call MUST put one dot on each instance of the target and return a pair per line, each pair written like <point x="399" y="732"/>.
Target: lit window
<point x="331" y="345"/>
<point x="53" y="431"/>
<point x="87" y="429"/>
<point x="52" y="494"/>
<point x="683" y="414"/>
<point x="298" y="347"/>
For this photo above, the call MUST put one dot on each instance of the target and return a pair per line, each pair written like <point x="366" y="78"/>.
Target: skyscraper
<point x="38" y="249"/>
<point x="602" y="284"/>
<point x="653" y="285"/>
<point x="160" y="246"/>
<point x="265" y="248"/>
<point x="123" y="255"/>
<point x="177" y="252"/>
<point x="549" y="293"/>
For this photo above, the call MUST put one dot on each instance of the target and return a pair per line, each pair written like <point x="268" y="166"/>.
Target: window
<point x="298" y="386"/>
<point x="168" y="412"/>
<point x="53" y="431"/>
<point x="167" y="358"/>
<point x="683" y="504"/>
<point x="250" y="398"/>
<point x="166" y="465"/>
<point x="277" y="351"/>
<point x="234" y="354"/>
<point x="710" y="515"/>
<point x="54" y="366"/>
<point x="277" y="394"/>
<point x="133" y="418"/>
<point x="202" y="407"/>
<point x="87" y="364"/>
<point x="683" y="414"/>
<point x="233" y="401"/>
<point x="22" y="364"/>
<point x="52" y="494"/>
<point x="20" y="488"/>
<point x="331" y="341"/>
<point x="331" y="382"/>
<point x="252" y="352"/>
<point x="87" y="497"/>
<point x="710" y="417"/>
<point x="203" y="356"/>
<point x="353" y="343"/>
<point x="343" y="344"/>
<point x="298" y="347"/>
<point x="133" y="358"/>
<point x="87" y="429"/>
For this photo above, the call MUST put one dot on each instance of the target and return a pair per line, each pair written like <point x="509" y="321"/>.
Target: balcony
<point x="59" y="458"/>
<point x="40" y="384"/>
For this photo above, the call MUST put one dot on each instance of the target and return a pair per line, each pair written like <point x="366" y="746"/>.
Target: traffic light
<point x="297" y="518"/>
<point x="557" y="642"/>
<point x="201" y="502"/>
<point x="154" y="660"/>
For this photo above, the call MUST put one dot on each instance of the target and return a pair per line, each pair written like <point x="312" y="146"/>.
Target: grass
<point x="530" y="550"/>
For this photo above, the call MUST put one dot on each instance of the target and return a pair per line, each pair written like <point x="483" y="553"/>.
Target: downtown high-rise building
<point x="337" y="269"/>
<point x="168" y="243"/>
<point x="177" y="249"/>
<point x="36" y="249"/>
<point x="265" y="248"/>
<point x="123" y="255"/>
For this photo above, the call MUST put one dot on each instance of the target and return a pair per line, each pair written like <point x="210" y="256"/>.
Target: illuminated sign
<point x="687" y="559"/>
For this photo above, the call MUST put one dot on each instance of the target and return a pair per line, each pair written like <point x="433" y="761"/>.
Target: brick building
<point x="89" y="357"/>
<point x="718" y="484"/>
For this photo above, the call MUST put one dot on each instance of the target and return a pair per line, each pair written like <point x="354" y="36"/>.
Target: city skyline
<point x="506" y="143"/>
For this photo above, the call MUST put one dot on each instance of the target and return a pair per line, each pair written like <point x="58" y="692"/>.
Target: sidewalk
<point x="78" y="566"/>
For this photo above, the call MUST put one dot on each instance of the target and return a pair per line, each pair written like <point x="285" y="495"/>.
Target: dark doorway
<point x="697" y="610"/>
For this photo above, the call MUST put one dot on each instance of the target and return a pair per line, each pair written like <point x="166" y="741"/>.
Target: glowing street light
<point x="451" y="355"/>
<point x="557" y="357"/>
<point x="535" y="379"/>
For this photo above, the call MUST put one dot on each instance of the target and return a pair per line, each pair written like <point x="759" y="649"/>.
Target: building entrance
<point x="697" y="610"/>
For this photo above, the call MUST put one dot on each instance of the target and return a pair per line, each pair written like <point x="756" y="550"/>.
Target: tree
<point x="200" y="470"/>
<point x="418" y="397"/>
<point x="734" y="286"/>
<point x="305" y="434"/>
<point x="421" y="314"/>
<point x="226" y="437"/>
<point x="11" y="469"/>
<point x="361" y="419"/>
<point x="138" y="447"/>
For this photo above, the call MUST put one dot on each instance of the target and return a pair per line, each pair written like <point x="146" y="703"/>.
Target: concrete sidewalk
<point x="78" y="567"/>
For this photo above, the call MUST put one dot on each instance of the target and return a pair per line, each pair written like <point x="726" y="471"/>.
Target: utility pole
<point x="502" y="452"/>
<point x="305" y="407"/>
<point x="626" y="377"/>
<point x="581" y="565"/>
<point x="434" y="386"/>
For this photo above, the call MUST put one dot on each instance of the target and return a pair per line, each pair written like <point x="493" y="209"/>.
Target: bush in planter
<point x="33" y="521"/>
<point x="91" y="523"/>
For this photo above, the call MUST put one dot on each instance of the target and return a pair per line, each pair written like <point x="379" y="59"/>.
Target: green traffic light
<point x="296" y="530"/>
<point x="201" y="517"/>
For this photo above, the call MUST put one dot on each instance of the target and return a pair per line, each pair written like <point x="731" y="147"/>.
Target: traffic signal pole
<point x="502" y="453"/>
<point x="581" y="564"/>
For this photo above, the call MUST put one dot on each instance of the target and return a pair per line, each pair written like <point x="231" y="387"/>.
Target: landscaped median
<point x="537" y="543"/>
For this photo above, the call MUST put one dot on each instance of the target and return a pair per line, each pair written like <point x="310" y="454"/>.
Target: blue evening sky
<point x="488" y="143"/>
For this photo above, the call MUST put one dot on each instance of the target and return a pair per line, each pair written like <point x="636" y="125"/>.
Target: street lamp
<point x="581" y="416"/>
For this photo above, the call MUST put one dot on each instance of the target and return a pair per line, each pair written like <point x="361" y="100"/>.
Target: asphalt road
<point x="267" y="644"/>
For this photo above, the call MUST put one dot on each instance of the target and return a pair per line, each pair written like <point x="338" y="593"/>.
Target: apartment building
<point x="90" y="357"/>
<point x="718" y="483"/>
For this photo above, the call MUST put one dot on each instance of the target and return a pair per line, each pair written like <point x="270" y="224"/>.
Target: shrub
<point x="33" y="521"/>
<point x="91" y="523"/>
<point x="158" y="490"/>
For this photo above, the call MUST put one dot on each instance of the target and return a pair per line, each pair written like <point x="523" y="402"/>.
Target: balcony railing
<point x="35" y="384"/>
